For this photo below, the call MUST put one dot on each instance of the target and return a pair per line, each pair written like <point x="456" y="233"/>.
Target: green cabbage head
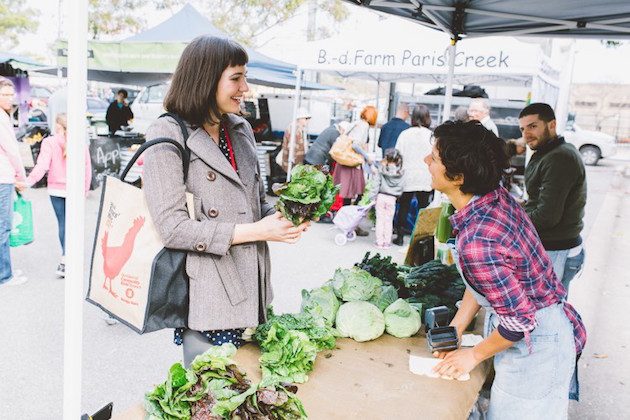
<point x="321" y="302"/>
<point x="361" y="321"/>
<point x="355" y="284"/>
<point x="401" y="319"/>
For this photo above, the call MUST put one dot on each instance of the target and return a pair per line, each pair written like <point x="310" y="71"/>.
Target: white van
<point x="148" y="106"/>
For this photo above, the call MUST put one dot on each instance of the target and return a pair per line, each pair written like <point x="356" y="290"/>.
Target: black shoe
<point x="361" y="232"/>
<point x="327" y="218"/>
<point x="398" y="240"/>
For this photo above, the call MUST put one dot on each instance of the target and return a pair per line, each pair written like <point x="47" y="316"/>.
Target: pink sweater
<point x="11" y="168"/>
<point x="51" y="160"/>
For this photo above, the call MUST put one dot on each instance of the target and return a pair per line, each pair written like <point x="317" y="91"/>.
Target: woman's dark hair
<point x="421" y="117"/>
<point x="123" y="92"/>
<point x="474" y="152"/>
<point x="193" y="91"/>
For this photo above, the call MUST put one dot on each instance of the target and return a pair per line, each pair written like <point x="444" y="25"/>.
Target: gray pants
<point x="193" y="344"/>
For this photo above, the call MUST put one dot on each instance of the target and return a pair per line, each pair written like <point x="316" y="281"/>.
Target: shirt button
<point x="213" y="212"/>
<point x="200" y="247"/>
<point x="211" y="176"/>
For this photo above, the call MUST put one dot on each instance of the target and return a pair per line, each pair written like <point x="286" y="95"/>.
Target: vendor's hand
<point x="20" y="186"/>
<point x="277" y="228"/>
<point x="456" y="363"/>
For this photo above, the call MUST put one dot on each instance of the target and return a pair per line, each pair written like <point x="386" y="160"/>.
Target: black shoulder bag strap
<point x="183" y="151"/>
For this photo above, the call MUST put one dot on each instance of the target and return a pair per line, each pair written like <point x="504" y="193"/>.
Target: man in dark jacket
<point x="392" y="129"/>
<point x="318" y="152"/>
<point x="118" y="113"/>
<point x="556" y="183"/>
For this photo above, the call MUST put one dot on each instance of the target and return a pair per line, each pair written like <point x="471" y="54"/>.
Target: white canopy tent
<point x="401" y="51"/>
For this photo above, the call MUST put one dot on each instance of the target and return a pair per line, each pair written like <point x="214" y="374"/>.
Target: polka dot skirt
<point x="216" y="337"/>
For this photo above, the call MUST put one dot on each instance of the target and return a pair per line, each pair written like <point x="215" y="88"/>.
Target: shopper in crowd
<point x="556" y="185"/>
<point x="413" y="144"/>
<point x="11" y="172"/>
<point x="228" y="258"/>
<point x="461" y="114"/>
<point x="388" y="186"/>
<point x="392" y="129"/>
<point x="479" y="109"/>
<point x="352" y="178"/>
<point x="534" y="335"/>
<point x="119" y="113"/>
<point x="52" y="160"/>
<point x="300" y="145"/>
<point x="318" y="152"/>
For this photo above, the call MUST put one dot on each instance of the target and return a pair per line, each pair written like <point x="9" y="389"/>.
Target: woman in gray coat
<point x="228" y="258"/>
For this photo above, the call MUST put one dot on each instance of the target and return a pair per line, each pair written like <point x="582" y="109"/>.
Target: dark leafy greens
<point x="308" y="195"/>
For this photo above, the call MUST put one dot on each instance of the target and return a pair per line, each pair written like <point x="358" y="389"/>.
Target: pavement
<point x="120" y="365"/>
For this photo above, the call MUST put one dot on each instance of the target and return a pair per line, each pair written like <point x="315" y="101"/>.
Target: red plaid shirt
<point x="503" y="259"/>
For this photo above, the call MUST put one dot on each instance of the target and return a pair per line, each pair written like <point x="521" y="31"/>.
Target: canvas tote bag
<point x="133" y="277"/>
<point x="343" y="153"/>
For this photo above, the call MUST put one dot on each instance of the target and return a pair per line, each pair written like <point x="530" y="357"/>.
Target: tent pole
<point x="378" y="97"/>
<point x="296" y="103"/>
<point x="73" y="307"/>
<point x="448" y="95"/>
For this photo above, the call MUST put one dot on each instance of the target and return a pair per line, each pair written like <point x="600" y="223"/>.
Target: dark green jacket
<point x="556" y="183"/>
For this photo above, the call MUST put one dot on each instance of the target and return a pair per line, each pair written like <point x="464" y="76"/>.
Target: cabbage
<point x="384" y="296"/>
<point x="361" y="321"/>
<point x="355" y="284"/>
<point x="321" y="302"/>
<point x="401" y="319"/>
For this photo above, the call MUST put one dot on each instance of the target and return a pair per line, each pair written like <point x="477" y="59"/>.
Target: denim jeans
<point x="566" y="267"/>
<point x="59" y="205"/>
<point x="6" y="222"/>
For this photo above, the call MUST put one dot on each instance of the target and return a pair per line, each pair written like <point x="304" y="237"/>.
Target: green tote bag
<point x="22" y="229"/>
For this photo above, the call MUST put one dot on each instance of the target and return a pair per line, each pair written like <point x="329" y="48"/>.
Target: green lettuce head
<point x="321" y="302"/>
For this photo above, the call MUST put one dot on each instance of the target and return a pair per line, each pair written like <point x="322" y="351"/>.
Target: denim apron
<point x="531" y="385"/>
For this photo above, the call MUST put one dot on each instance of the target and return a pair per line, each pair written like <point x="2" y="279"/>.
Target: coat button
<point x="211" y="176"/>
<point x="200" y="247"/>
<point x="213" y="212"/>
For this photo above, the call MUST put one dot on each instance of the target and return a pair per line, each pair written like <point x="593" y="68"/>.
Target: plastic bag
<point x="22" y="228"/>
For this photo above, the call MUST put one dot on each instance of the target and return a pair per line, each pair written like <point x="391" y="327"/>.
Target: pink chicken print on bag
<point x="115" y="257"/>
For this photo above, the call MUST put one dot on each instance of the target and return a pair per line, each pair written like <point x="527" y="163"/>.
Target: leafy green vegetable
<point x="321" y="333"/>
<point x="361" y="321"/>
<point x="321" y="302"/>
<point x="401" y="319"/>
<point x="355" y="284"/>
<point x="386" y="270"/>
<point x="384" y="296"/>
<point x="435" y="284"/>
<point x="287" y="355"/>
<point x="308" y="195"/>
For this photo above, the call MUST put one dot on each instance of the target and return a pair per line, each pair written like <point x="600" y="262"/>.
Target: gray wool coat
<point x="229" y="284"/>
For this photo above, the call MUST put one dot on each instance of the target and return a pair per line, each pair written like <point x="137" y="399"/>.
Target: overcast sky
<point x="594" y="62"/>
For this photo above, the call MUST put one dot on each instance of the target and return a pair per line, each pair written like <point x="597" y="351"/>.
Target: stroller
<point x="347" y="219"/>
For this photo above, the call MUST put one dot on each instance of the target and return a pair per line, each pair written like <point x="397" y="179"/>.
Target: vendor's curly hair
<point x="473" y="152"/>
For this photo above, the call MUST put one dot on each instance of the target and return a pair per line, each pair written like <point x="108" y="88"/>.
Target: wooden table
<point x="371" y="381"/>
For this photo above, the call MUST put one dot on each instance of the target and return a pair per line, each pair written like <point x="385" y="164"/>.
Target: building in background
<point x="602" y="107"/>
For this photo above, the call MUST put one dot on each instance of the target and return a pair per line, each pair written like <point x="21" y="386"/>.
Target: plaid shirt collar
<point x="462" y="217"/>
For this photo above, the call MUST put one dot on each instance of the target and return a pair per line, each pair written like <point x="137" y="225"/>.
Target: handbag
<point x="22" y="226"/>
<point x="343" y="153"/>
<point x="133" y="277"/>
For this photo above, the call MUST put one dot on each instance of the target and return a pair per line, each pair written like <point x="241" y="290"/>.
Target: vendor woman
<point x="534" y="335"/>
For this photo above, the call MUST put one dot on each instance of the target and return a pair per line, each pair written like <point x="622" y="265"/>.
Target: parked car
<point x="593" y="145"/>
<point x="148" y="106"/>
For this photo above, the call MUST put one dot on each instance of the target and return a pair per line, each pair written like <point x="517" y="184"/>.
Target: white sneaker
<point x="15" y="281"/>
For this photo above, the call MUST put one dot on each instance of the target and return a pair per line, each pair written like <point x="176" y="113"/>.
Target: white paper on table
<point x="471" y="340"/>
<point x="424" y="366"/>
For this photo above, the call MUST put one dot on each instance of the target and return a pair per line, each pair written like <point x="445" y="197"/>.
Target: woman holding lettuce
<point x="228" y="258"/>
<point x="534" y="335"/>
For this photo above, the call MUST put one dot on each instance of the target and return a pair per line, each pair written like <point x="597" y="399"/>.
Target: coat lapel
<point x="201" y="144"/>
<point x="243" y="151"/>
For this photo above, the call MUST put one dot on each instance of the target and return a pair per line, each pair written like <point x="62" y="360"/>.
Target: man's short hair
<point x="544" y="111"/>
<point x="481" y="101"/>
<point x="474" y="152"/>
<point x="123" y="92"/>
